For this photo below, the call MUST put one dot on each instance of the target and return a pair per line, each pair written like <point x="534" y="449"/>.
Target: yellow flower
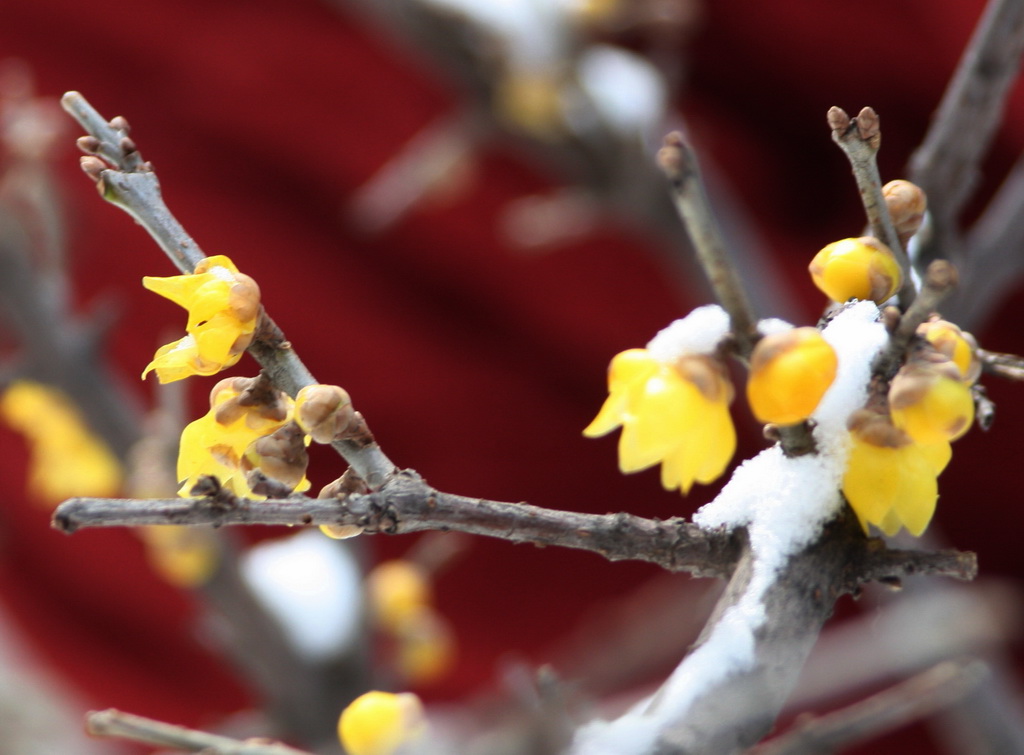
<point x="67" y="458"/>
<point x="789" y="373"/>
<point x="215" y="443"/>
<point x="861" y="268"/>
<point x="890" y="480"/>
<point x="379" y="723"/>
<point x="674" y="413"/>
<point x="222" y="305"/>
<point x="956" y="345"/>
<point x="396" y="590"/>
<point x="931" y="404"/>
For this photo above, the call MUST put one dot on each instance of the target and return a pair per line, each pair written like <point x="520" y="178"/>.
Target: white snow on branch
<point x="784" y="503"/>
<point x="698" y="333"/>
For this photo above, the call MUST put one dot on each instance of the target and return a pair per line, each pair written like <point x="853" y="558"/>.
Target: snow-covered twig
<point x="114" y="723"/>
<point x="859" y="138"/>
<point x="127" y="181"/>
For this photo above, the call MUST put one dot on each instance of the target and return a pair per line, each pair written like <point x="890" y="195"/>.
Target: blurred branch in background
<point x="48" y="344"/>
<point x="540" y="80"/>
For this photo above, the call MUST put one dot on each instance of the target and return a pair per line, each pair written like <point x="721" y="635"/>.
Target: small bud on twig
<point x="88" y="144"/>
<point x="93" y="167"/>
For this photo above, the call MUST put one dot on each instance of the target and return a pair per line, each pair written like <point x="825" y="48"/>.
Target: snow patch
<point x="311" y="585"/>
<point x="698" y="333"/>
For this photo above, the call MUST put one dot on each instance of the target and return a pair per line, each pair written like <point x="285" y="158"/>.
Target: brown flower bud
<point x="281" y="455"/>
<point x="324" y="412"/>
<point x="877" y="429"/>
<point x="907" y="203"/>
<point x="953" y="344"/>
<point x="244" y="298"/>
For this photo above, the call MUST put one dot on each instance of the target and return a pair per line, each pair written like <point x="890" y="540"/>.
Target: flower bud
<point x="789" y="373"/>
<point x="324" y="412"/>
<point x="955" y="345"/>
<point x="862" y="268"/>
<point x="379" y="723"/>
<point x="281" y="456"/>
<point x="930" y="403"/>
<point x="397" y="590"/>
<point x="906" y="202"/>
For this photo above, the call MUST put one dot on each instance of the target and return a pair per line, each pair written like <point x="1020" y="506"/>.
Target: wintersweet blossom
<point x="222" y="305"/>
<point x="862" y="268"/>
<point x="401" y="606"/>
<point x="789" y="373"/>
<point x="672" y="402"/>
<point x="216" y="443"/>
<point x="930" y="402"/>
<point x="67" y="459"/>
<point x="891" y="480"/>
<point x="379" y="723"/>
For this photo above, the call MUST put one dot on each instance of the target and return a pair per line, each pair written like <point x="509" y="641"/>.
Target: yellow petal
<point x="180" y="289"/>
<point x="174" y="361"/>
<point x="378" y="723"/>
<point x="668" y="408"/>
<point x="789" y="374"/>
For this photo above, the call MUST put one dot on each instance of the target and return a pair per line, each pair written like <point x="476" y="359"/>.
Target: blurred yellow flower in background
<point x="68" y="459"/>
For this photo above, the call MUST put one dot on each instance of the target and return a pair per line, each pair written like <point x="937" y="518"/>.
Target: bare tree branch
<point x="741" y="708"/>
<point x="860" y="138"/>
<point x="946" y="163"/>
<point x="114" y="723"/>
<point x="939" y="281"/>
<point x="916" y="698"/>
<point x="132" y="185"/>
<point x="679" y="164"/>
<point x="407" y="504"/>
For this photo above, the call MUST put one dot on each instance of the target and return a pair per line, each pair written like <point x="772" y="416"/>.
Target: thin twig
<point x="132" y="185"/>
<point x="677" y="161"/>
<point x="939" y="281"/>
<point x="1009" y="366"/>
<point x="946" y="163"/>
<point x="860" y="138"/>
<point x="114" y="723"/>
<point x="407" y="504"/>
<point x="909" y="701"/>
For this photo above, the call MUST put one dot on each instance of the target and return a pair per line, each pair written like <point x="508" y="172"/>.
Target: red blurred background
<point x="475" y="362"/>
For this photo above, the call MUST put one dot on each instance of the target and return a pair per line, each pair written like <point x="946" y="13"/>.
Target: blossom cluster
<point x="248" y="428"/>
<point x="672" y="398"/>
<point x="223" y="305"/>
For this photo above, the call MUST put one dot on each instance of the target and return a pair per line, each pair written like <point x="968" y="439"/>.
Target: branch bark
<point x="860" y="138"/>
<point x="114" y="723"/>
<point x="740" y="710"/>
<point x="946" y="163"/>
<point x="407" y="504"/>
<point x="914" y="699"/>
